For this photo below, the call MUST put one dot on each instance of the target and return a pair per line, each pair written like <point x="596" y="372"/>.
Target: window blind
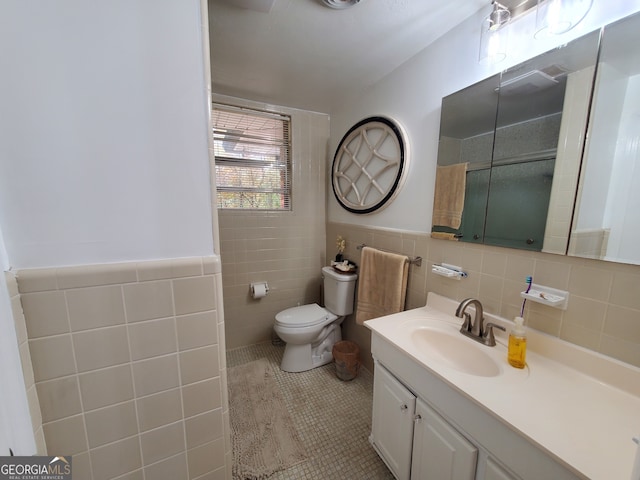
<point x="252" y="151"/>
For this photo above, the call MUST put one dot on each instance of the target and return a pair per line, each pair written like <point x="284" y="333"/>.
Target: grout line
<point x="77" y="381"/>
<point x="133" y="382"/>
<point x="180" y="384"/>
<point x="333" y="418"/>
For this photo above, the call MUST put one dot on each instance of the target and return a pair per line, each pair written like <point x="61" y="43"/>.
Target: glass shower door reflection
<point x="518" y="203"/>
<point x="475" y="206"/>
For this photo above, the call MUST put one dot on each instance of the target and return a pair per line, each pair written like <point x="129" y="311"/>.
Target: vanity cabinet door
<point x="439" y="451"/>
<point x="392" y="424"/>
<point x="493" y="471"/>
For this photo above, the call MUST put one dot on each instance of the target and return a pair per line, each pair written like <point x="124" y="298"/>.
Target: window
<point x="253" y="159"/>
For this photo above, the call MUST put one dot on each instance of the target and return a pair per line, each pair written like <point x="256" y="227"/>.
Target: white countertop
<point x="581" y="407"/>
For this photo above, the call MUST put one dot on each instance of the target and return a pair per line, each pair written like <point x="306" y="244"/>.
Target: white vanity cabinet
<point x="452" y="438"/>
<point x="439" y="450"/>
<point x="413" y="439"/>
<point x="570" y="415"/>
<point x="394" y="409"/>
<point x="493" y="471"/>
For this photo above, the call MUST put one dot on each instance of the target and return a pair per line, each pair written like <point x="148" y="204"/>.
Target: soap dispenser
<point x="517" y="344"/>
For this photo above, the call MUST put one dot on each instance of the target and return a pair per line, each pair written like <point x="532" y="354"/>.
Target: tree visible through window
<point x="252" y="157"/>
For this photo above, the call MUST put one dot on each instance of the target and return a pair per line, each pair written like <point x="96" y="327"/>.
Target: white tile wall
<point x="604" y="304"/>
<point x="127" y="359"/>
<point x="285" y="249"/>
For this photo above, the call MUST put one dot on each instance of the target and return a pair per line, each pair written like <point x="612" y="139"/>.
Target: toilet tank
<point x="339" y="290"/>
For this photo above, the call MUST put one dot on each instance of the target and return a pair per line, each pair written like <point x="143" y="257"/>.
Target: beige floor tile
<point x="333" y="418"/>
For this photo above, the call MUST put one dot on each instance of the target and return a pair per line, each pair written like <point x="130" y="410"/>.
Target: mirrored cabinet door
<point x="517" y="140"/>
<point x="465" y="151"/>
<point x="542" y="110"/>
<point x="525" y="146"/>
<point x="606" y="223"/>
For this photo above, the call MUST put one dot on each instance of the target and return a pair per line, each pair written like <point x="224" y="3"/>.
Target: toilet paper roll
<point x="259" y="289"/>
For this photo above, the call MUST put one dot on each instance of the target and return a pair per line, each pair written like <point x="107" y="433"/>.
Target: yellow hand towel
<point x="382" y="286"/>
<point x="444" y="236"/>
<point x="448" y="201"/>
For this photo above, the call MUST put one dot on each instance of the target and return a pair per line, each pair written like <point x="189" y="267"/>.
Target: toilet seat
<point x="304" y="316"/>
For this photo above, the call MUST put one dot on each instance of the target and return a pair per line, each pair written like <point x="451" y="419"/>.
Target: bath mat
<point x="263" y="437"/>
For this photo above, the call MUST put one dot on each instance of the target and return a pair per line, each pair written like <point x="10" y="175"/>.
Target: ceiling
<point x="302" y="54"/>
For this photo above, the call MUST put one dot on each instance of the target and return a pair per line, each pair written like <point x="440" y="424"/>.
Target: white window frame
<point x="252" y="152"/>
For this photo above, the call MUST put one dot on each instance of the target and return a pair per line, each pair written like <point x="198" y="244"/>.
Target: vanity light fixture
<point x="555" y="17"/>
<point x="493" y="35"/>
<point x="498" y="17"/>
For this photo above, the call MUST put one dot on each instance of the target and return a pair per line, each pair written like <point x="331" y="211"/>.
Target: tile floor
<point x="333" y="418"/>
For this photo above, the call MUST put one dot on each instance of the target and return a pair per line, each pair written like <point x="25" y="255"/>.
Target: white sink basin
<point x="453" y="350"/>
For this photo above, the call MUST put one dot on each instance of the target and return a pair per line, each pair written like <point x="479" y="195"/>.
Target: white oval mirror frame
<point x="369" y="165"/>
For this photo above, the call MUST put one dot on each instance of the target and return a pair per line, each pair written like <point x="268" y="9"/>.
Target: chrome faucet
<point x="476" y="329"/>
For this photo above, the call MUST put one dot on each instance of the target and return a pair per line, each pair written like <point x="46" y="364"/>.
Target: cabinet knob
<point x="417" y="417"/>
<point x="404" y="407"/>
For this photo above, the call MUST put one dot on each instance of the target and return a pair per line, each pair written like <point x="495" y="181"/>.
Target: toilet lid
<point x="304" y="316"/>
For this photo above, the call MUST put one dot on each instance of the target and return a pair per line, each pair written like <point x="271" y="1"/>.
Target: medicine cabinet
<point x="551" y="152"/>
<point x="515" y="142"/>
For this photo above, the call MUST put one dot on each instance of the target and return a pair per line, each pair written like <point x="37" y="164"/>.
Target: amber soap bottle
<point x="517" y="344"/>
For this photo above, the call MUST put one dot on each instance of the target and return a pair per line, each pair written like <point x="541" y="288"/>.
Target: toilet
<point x="310" y="331"/>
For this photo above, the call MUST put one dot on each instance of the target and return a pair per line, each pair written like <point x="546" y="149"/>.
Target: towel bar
<point x="417" y="261"/>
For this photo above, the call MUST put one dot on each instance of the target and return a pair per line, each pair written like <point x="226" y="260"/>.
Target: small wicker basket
<point x="347" y="357"/>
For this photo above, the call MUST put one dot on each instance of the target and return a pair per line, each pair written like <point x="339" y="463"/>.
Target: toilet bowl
<point x="310" y="331"/>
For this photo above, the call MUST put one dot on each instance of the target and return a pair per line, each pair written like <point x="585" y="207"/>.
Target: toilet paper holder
<point x="259" y="289"/>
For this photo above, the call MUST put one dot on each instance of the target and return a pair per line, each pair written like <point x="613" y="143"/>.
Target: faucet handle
<point x="466" y="326"/>
<point x="487" y="335"/>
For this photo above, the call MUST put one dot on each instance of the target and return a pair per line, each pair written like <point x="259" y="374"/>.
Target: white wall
<point x="103" y="147"/>
<point x="412" y="95"/>
<point x="103" y="132"/>
<point x="15" y="422"/>
<point x="623" y="203"/>
<point x="600" y="151"/>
